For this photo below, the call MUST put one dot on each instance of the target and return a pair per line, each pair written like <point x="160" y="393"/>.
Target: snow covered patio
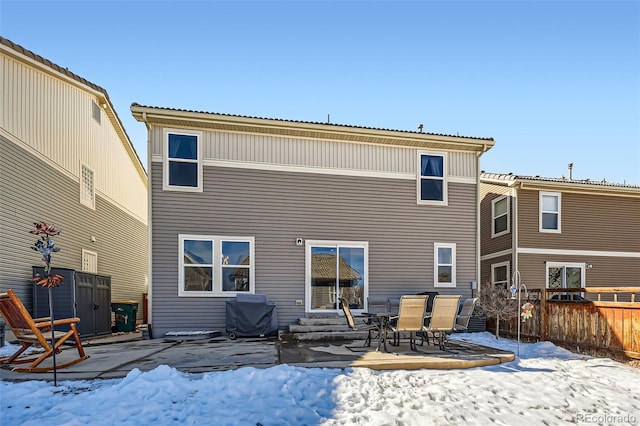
<point x="119" y="356"/>
<point x="545" y="385"/>
<point x="460" y="354"/>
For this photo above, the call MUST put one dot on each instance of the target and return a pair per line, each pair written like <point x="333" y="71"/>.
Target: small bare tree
<point x="495" y="302"/>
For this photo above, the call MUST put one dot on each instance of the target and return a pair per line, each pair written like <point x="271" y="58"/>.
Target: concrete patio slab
<point x="118" y="357"/>
<point x="354" y="354"/>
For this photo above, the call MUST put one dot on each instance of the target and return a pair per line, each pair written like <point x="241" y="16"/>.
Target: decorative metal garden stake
<point x="46" y="246"/>
<point x="516" y="287"/>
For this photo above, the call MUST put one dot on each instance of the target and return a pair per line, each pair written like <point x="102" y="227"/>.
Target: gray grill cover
<point x="251" y="315"/>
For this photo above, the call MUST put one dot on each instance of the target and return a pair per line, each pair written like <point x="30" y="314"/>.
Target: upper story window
<point x="432" y="182"/>
<point x="550" y="206"/>
<point x="96" y="112"/>
<point x="215" y="266"/>
<point x="182" y="162"/>
<point x="500" y="216"/>
<point x="444" y="265"/>
<point x="500" y="274"/>
<point x="87" y="189"/>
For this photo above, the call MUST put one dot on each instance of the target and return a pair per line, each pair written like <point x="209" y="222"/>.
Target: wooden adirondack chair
<point x="30" y="332"/>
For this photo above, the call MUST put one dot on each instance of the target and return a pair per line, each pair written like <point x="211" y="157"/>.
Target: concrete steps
<point x="323" y="328"/>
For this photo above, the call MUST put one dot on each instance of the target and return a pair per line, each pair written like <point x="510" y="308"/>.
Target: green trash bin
<point x="125" y="311"/>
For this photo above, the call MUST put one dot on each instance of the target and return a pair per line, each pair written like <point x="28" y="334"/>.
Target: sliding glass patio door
<point x="565" y="275"/>
<point x="336" y="270"/>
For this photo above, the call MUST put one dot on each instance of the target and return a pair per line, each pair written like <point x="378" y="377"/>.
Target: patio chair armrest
<point x="58" y="322"/>
<point x="42" y="319"/>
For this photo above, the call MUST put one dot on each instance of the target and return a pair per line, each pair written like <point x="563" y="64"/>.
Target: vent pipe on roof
<point x="570" y="171"/>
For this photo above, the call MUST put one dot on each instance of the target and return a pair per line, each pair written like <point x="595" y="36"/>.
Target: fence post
<point x="543" y="315"/>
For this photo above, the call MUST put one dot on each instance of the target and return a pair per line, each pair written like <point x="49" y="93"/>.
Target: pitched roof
<point x="182" y="118"/>
<point x="117" y="123"/>
<point x="561" y="183"/>
<point x="135" y="104"/>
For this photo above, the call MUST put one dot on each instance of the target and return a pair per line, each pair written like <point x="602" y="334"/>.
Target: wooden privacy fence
<point x="606" y="320"/>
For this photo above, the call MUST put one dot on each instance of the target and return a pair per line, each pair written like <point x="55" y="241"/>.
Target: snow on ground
<point x="545" y="385"/>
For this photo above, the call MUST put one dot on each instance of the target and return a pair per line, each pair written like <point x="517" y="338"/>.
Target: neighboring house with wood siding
<point x="303" y="212"/>
<point x="559" y="233"/>
<point x="67" y="160"/>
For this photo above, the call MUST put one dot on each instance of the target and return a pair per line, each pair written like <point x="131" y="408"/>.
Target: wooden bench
<point x="29" y="332"/>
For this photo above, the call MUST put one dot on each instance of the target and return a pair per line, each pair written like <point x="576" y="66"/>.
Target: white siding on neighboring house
<point x="57" y="109"/>
<point x="66" y="160"/>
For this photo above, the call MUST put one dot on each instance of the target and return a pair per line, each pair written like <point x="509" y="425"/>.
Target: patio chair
<point x="367" y="324"/>
<point x="443" y="317"/>
<point x="29" y="332"/>
<point x="410" y="318"/>
<point x="432" y="296"/>
<point x="394" y="305"/>
<point x="462" y="319"/>
<point x="376" y="305"/>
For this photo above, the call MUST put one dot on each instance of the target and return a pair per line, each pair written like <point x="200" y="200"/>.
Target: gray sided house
<point x="305" y="213"/>
<point x="559" y="233"/>
<point x="66" y="160"/>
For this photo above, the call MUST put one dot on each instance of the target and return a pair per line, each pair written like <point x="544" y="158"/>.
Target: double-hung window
<point x="500" y="216"/>
<point x="432" y="181"/>
<point x="215" y="266"/>
<point x="182" y="161"/>
<point x="500" y="274"/>
<point x="444" y="264"/>
<point x="550" y="204"/>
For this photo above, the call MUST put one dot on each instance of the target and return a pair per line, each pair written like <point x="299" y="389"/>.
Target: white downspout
<point x="514" y="236"/>
<point x="478" y="248"/>
<point x="149" y="224"/>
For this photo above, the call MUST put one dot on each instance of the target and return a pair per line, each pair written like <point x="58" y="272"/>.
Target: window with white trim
<point x="182" y="161"/>
<point x="215" y="266"/>
<point x="566" y="275"/>
<point x="87" y="188"/>
<point x="550" y="206"/>
<point x="336" y="270"/>
<point x="89" y="261"/>
<point x="444" y="262"/>
<point x="500" y="274"/>
<point x="500" y="216"/>
<point x="432" y="181"/>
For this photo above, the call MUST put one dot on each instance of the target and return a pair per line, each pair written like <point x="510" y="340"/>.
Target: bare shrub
<point x="495" y="302"/>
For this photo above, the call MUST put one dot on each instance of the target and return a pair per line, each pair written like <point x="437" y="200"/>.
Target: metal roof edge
<point x="153" y="111"/>
<point x="583" y="185"/>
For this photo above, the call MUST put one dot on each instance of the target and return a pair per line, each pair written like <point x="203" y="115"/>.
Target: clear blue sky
<point x="552" y="82"/>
